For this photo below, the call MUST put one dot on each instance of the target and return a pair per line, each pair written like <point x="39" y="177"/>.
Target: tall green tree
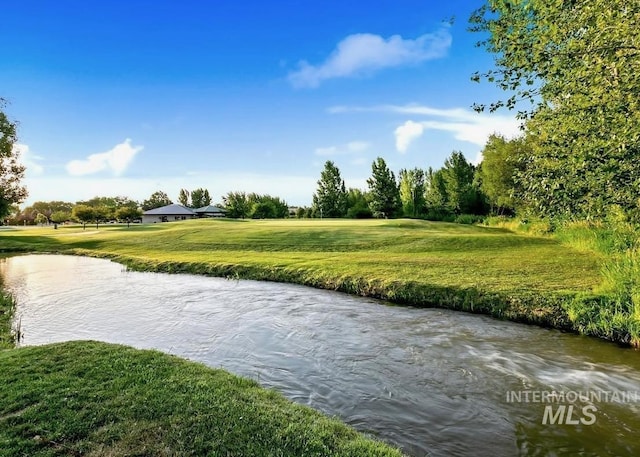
<point x="383" y="190"/>
<point x="502" y="161"/>
<point x="435" y="195"/>
<point x="156" y="200"/>
<point x="200" y="197"/>
<point x="458" y="174"/>
<point x="183" y="197"/>
<point x="236" y="205"/>
<point x="578" y="63"/>
<point x="11" y="171"/>
<point x="412" y="189"/>
<point x="330" y="199"/>
<point x="206" y="198"/>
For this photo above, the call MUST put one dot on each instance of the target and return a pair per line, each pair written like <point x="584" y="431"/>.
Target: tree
<point x="263" y="210"/>
<point x="200" y="197"/>
<point x="502" y="161"/>
<point x="47" y="209"/>
<point x="183" y="197"/>
<point x="578" y="63"/>
<point x="458" y="174"/>
<point x="121" y="201"/>
<point x="128" y="214"/>
<point x="358" y="205"/>
<point x="11" y="171"/>
<point x="196" y="198"/>
<point x="267" y="207"/>
<point x="41" y="219"/>
<point x="436" y="199"/>
<point x="236" y="205"/>
<point x="206" y="198"/>
<point x="330" y="199"/>
<point x="412" y="189"/>
<point x="84" y="214"/>
<point x="59" y="217"/>
<point x="383" y="190"/>
<point x="156" y="200"/>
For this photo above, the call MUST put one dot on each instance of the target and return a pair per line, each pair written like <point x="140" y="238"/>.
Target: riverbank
<point x="7" y="308"/>
<point x="494" y="271"/>
<point x="91" y="398"/>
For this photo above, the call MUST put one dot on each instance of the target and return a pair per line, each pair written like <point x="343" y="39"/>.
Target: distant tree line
<point x="100" y="210"/>
<point x="444" y="194"/>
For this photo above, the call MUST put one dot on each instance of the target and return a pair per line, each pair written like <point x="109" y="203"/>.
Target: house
<point x="168" y="213"/>
<point x="209" y="211"/>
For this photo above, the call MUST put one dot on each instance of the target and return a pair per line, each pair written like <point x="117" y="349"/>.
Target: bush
<point x="359" y="212"/>
<point x="439" y="215"/>
<point x="469" y="219"/>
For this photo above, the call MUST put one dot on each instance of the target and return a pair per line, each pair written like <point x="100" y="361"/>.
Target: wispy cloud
<point x="465" y="125"/>
<point x="364" y="53"/>
<point x="353" y="147"/>
<point x="117" y="159"/>
<point x="28" y="159"/>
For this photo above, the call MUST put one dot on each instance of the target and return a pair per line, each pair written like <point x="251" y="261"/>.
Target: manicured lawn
<point x="98" y="399"/>
<point x="431" y="253"/>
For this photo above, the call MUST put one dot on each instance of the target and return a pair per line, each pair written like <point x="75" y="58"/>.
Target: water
<point x="433" y="382"/>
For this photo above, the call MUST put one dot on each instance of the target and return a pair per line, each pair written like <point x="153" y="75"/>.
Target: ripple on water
<point x="431" y="381"/>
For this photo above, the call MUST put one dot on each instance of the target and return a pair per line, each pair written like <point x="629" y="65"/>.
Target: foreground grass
<point x="98" y="399"/>
<point x="487" y="270"/>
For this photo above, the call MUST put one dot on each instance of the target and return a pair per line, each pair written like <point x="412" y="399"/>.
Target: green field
<point x="480" y="269"/>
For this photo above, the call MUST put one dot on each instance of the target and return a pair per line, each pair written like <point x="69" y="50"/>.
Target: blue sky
<point x="130" y="97"/>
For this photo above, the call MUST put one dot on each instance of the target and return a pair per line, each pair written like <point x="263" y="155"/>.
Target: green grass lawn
<point x="387" y="251"/>
<point x="480" y="269"/>
<point x="98" y="399"/>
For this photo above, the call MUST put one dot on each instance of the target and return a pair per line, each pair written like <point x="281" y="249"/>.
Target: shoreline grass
<point x="521" y="277"/>
<point x="7" y="309"/>
<point x="96" y="399"/>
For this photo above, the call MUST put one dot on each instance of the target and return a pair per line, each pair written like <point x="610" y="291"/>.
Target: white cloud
<point x="465" y="125"/>
<point x="353" y="147"/>
<point x="117" y="159"/>
<point x="406" y="133"/>
<point x="360" y="161"/>
<point x="29" y="160"/>
<point x="326" y="151"/>
<point x="363" y="53"/>
<point x="358" y="146"/>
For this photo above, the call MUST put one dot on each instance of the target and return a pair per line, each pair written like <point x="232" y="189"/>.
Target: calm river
<point x="430" y="381"/>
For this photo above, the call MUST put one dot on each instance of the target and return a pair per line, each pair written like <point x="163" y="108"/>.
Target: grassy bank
<point x="494" y="271"/>
<point x="97" y="399"/>
<point x="612" y="309"/>
<point x="7" y="307"/>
